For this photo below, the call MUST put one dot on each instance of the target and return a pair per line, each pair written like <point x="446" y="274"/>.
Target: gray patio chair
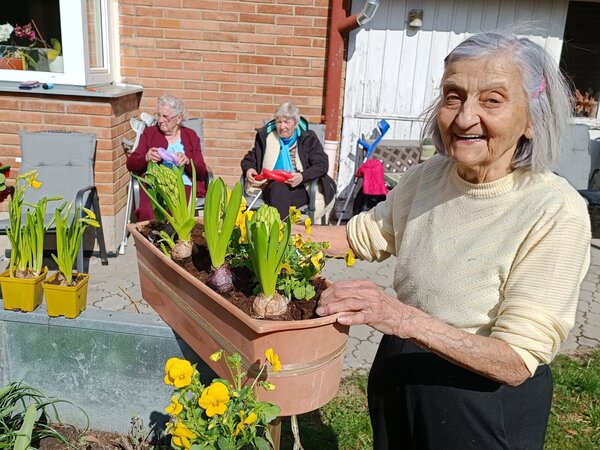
<point x="65" y="163"/>
<point x="133" y="190"/>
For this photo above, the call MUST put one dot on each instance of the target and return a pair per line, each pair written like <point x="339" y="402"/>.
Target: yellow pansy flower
<point x="175" y="407"/>
<point x="316" y="260"/>
<point x="36" y="184"/>
<point x="178" y="372"/>
<point x="294" y="214"/>
<point x="349" y="258"/>
<point x="214" y="399"/>
<point x="181" y="436"/>
<point x="308" y="225"/>
<point x="273" y="358"/>
<point x="245" y="421"/>
<point x="287" y="268"/>
<point x="297" y="241"/>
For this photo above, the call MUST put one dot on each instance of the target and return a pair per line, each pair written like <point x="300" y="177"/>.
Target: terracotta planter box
<point x="23" y="294"/>
<point x="311" y="351"/>
<point x="66" y="301"/>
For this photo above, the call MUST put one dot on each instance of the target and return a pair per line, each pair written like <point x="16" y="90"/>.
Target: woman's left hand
<point x="295" y="180"/>
<point x="182" y="160"/>
<point x="364" y="303"/>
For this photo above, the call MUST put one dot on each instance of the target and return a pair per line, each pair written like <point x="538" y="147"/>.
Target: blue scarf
<point x="284" y="160"/>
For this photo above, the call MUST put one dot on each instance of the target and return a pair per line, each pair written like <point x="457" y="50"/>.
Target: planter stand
<point x="311" y="351"/>
<point x="23" y="294"/>
<point x="66" y="301"/>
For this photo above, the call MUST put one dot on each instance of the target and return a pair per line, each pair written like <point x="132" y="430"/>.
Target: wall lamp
<point x="415" y="18"/>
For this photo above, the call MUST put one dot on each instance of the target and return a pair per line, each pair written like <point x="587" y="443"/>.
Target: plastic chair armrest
<point x="81" y="192"/>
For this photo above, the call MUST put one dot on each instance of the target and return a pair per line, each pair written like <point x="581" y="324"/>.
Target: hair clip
<point x="541" y="88"/>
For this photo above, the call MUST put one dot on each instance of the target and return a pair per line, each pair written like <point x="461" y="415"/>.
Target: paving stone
<point x="361" y="332"/>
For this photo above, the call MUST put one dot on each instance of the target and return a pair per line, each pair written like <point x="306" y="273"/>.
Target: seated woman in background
<point x="171" y="134"/>
<point x="286" y="143"/>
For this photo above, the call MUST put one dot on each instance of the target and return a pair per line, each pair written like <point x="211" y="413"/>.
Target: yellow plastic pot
<point x="66" y="301"/>
<point x="23" y="294"/>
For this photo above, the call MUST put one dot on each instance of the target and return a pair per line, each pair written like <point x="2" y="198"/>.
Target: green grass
<point x="575" y="418"/>
<point x="343" y="424"/>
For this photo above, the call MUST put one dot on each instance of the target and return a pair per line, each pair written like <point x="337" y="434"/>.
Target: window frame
<point x="75" y="47"/>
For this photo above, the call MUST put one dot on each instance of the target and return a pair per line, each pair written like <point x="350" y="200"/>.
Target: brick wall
<point x="107" y="117"/>
<point x="232" y="62"/>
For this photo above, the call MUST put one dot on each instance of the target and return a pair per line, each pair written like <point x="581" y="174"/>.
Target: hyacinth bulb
<point x="269" y="307"/>
<point x="220" y="279"/>
<point x="182" y="251"/>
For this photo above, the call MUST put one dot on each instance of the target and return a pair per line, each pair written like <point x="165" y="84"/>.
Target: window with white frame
<point x="58" y="41"/>
<point x="580" y="56"/>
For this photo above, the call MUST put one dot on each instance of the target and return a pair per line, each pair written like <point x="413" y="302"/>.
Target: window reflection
<point x="94" y="8"/>
<point x="30" y="36"/>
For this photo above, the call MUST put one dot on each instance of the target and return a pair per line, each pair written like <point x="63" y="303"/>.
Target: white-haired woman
<point x="286" y="143"/>
<point x="170" y="134"/>
<point x="491" y="249"/>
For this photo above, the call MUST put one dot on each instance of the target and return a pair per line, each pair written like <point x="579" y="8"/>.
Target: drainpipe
<point x="340" y="26"/>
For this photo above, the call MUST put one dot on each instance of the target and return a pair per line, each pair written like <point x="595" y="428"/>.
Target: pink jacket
<point x="374" y="181"/>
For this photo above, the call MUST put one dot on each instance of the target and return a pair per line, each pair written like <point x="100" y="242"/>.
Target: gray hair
<point x="548" y="96"/>
<point x="175" y="103"/>
<point x="287" y="110"/>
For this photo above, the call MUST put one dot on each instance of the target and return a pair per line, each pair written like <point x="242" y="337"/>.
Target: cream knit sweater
<point x="503" y="259"/>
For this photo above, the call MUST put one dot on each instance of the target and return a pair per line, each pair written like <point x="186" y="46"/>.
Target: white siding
<point x="393" y="72"/>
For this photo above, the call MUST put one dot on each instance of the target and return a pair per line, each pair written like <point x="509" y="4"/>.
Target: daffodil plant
<point x="268" y="239"/>
<point x="220" y="213"/>
<point x="27" y="239"/>
<point x="166" y="191"/>
<point x="224" y="415"/>
<point x="69" y="235"/>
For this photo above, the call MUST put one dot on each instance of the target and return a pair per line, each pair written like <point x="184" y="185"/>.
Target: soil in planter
<point x="242" y="296"/>
<point x="58" y="280"/>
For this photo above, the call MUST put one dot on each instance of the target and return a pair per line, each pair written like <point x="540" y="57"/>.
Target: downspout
<point x="340" y="26"/>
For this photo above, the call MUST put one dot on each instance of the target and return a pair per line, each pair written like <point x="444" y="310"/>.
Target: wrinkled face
<point x="285" y="126"/>
<point x="483" y="116"/>
<point x="168" y="121"/>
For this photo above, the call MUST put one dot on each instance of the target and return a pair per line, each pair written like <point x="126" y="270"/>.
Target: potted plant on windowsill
<point x="313" y="349"/>
<point x="23" y="47"/>
<point x="21" y="283"/>
<point x="55" y="57"/>
<point x="65" y="291"/>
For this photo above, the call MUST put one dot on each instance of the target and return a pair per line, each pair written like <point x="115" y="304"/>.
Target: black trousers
<point x="418" y="400"/>
<point x="282" y="196"/>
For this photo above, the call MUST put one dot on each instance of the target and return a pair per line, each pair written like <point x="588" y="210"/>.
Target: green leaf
<point x="225" y="444"/>
<point x="299" y="292"/>
<point x="24" y="434"/>
<point x="270" y="411"/>
<point x="166" y="191"/>
<point x="219" y="218"/>
<point x="261" y="443"/>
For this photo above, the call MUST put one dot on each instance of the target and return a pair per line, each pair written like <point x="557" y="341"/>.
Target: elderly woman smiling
<point x="491" y="249"/>
<point x="286" y="143"/>
<point x="169" y="138"/>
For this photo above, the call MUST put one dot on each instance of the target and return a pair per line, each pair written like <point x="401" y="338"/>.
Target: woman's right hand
<point x="152" y="155"/>
<point x="250" y="174"/>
